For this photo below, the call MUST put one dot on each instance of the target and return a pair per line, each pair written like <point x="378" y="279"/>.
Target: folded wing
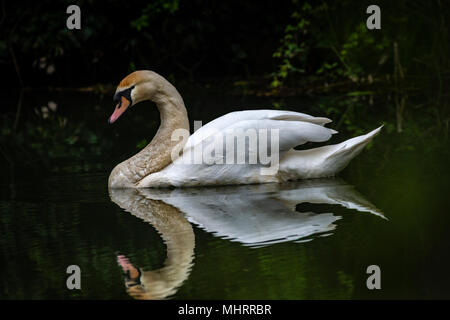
<point x="289" y="128"/>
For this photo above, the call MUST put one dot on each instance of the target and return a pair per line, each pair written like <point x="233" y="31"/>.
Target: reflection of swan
<point x="154" y="166"/>
<point x="178" y="236"/>
<point x="257" y="215"/>
<point x="254" y="215"/>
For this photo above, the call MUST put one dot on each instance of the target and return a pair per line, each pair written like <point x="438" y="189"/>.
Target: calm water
<point x="300" y="240"/>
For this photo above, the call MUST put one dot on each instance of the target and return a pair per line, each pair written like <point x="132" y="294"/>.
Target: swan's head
<point x="134" y="88"/>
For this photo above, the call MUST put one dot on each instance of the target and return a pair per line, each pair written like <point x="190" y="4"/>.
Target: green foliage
<point x="151" y="10"/>
<point x="335" y="34"/>
<point x="422" y="119"/>
<point x="294" y="48"/>
<point x="356" y="51"/>
<point x="300" y="40"/>
<point x="36" y="32"/>
<point x="51" y="137"/>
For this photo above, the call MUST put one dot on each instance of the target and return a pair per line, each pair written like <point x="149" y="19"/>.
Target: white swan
<point x="156" y="165"/>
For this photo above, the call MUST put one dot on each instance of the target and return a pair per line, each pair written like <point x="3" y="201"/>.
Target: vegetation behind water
<point x="244" y="48"/>
<point x="287" y="40"/>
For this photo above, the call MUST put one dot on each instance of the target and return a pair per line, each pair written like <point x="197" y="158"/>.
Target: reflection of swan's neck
<point x="157" y="154"/>
<point x="179" y="238"/>
<point x="177" y="234"/>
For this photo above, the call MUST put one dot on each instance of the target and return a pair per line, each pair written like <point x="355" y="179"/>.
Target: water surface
<point x="300" y="240"/>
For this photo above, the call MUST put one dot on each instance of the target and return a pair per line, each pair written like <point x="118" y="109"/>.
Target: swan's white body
<point x="153" y="166"/>
<point x="294" y="129"/>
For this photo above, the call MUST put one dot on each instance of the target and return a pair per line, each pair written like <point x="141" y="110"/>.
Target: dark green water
<point x="295" y="241"/>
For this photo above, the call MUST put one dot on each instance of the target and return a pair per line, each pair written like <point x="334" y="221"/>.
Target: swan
<point x="268" y="135"/>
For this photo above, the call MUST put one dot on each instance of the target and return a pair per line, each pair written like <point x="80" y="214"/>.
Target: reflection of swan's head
<point x="136" y="87"/>
<point x="155" y="284"/>
<point x="176" y="233"/>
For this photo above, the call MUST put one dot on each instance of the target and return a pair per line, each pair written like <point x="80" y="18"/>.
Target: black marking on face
<point x="126" y="94"/>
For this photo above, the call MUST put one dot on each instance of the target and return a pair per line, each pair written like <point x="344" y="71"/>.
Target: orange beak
<point x="120" y="108"/>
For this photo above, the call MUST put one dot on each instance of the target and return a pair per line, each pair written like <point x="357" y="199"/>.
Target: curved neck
<point x="157" y="154"/>
<point x="178" y="235"/>
<point x="176" y="232"/>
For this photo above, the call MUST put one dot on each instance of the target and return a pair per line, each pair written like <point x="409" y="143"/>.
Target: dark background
<point x="203" y="39"/>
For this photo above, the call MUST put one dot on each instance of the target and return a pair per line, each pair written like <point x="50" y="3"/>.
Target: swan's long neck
<point x="157" y="154"/>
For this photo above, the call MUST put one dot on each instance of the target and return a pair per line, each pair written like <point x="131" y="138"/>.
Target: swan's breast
<point x="119" y="179"/>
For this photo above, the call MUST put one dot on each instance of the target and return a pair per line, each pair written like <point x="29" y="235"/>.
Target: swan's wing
<point x="246" y="139"/>
<point x="275" y="118"/>
<point x="290" y="133"/>
<point x="258" y="139"/>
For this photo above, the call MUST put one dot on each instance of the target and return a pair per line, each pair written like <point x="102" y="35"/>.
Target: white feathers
<point x="250" y="119"/>
<point x="291" y="128"/>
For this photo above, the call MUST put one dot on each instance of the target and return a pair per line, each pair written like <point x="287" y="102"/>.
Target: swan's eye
<point x="124" y="93"/>
<point x="116" y="98"/>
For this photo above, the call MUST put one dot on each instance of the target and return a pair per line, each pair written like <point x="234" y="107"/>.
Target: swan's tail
<point x="323" y="161"/>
